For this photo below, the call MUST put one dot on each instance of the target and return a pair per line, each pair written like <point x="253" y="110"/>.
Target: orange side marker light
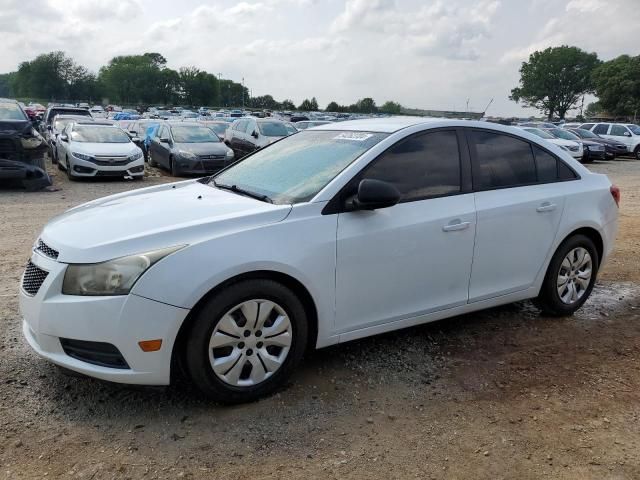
<point x="150" y="345"/>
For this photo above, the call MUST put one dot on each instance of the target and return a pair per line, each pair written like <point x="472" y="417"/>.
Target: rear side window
<point x="422" y="166"/>
<point x="500" y="161"/>
<point x="601" y="129"/>
<point x="551" y="169"/>
<point x="619" y="130"/>
<point x="587" y="126"/>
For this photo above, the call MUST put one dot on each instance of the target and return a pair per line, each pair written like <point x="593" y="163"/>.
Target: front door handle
<point x="546" y="207"/>
<point x="456" y="225"/>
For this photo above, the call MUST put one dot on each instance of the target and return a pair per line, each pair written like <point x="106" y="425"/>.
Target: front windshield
<point x="296" y="168"/>
<point x="585" y="133"/>
<point x="11" y="111"/>
<point x="194" y="135"/>
<point x="635" y="129"/>
<point x="540" y="133"/>
<point x="272" y="129"/>
<point x="560" y="133"/>
<point x="219" y="128"/>
<point x="91" y="134"/>
<point x="61" y="123"/>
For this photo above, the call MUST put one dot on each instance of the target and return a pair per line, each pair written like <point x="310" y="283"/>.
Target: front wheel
<point x="570" y="277"/>
<point x="173" y="168"/>
<point x="636" y="152"/>
<point x="246" y="341"/>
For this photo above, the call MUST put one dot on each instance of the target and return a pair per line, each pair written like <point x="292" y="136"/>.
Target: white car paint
<point x="367" y="272"/>
<point x="621" y="133"/>
<point x="114" y="157"/>
<point x="575" y="149"/>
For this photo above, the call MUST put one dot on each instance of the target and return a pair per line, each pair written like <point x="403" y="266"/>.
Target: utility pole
<point x="242" y="93"/>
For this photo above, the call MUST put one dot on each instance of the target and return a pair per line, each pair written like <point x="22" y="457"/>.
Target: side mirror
<point x="133" y="133"/>
<point x="627" y="134"/>
<point x="255" y="134"/>
<point x="49" y="127"/>
<point x="164" y="140"/>
<point x="64" y="137"/>
<point x="372" y="195"/>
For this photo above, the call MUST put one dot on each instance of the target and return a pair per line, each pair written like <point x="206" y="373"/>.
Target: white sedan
<point x="344" y="231"/>
<point x="575" y="149"/>
<point x="93" y="149"/>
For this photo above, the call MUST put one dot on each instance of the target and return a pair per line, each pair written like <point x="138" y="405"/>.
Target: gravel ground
<point x="504" y="393"/>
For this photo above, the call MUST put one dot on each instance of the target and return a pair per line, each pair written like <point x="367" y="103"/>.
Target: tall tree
<point x="554" y="79"/>
<point x="617" y="85"/>
<point x="391" y="107"/>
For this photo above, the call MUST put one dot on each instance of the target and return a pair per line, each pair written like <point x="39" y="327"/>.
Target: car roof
<point x="394" y="124"/>
<point x="64" y="116"/>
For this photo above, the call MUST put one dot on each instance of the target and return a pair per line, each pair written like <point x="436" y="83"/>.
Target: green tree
<point x="554" y="79"/>
<point x="365" y="105"/>
<point x="309" y="105"/>
<point x="288" y="105"/>
<point x="617" y="85"/>
<point x="198" y="87"/>
<point x="594" y="109"/>
<point x="6" y="84"/>
<point x="333" y="107"/>
<point x="391" y="107"/>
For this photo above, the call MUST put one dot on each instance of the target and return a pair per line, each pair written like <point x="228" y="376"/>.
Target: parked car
<point x="612" y="147"/>
<point x="590" y="150"/>
<point x="98" y="149"/>
<point x="55" y="129"/>
<point x="574" y="148"/>
<point x="537" y="124"/>
<point x="54" y="110"/>
<point x="628" y="134"/>
<point x="22" y="149"/>
<point x="249" y="134"/>
<point x="304" y="124"/>
<point x="188" y="149"/>
<point x="330" y="235"/>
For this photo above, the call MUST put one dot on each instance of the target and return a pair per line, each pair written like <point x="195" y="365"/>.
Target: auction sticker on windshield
<point x="356" y="136"/>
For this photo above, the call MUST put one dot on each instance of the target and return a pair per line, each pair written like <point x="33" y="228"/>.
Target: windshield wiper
<point x="242" y="191"/>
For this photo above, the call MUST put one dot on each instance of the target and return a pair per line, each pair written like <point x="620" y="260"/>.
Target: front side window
<point x="587" y="126"/>
<point x="500" y="161"/>
<point x="635" y="129"/>
<point x="619" y="130"/>
<point x="11" y="111"/>
<point x="251" y="127"/>
<point x="241" y="126"/>
<point x="423" y="166"/>
<point x="601" y="129"/>
<point x="296" y="168"/>
<point x="91" y="134"/>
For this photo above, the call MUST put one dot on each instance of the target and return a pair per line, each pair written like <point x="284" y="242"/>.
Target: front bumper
<point x="85" y="168"/>
<point x="121" y="321"/>
<point x="188" y="166"/>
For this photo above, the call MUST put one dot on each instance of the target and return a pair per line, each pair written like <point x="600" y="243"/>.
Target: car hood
<point x="590" y="143"/>
<point x="9" y="127"/>
<point x="103" y="148"/>
<point x="153" y="218"/>
<point x="606" y="141"/>
<point x="213" y="148"/>
<point x="562" y="142"/>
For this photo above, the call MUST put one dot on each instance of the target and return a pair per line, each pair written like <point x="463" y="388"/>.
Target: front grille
<point x="47" y="250"/>
<point x="211" y="157"/>
<point x="7" y="146"/>
<point x="96" y="353"/>
<point x="111" y="173"/>
<point x="33" y="278"/>
<point x="111" y="161"/>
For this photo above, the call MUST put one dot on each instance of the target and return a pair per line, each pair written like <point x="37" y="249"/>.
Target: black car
<point x="591" y="150"/>
<point x="54" y="110"/>
<point x="188" y="149"/>
<point x="613" y="148"/>
<point x="22" y="149"/>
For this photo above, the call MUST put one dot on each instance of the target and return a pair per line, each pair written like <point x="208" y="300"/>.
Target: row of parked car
<point x="590" y="141"/>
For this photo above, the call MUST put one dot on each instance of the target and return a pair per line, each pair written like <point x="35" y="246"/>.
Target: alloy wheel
<point x="250" y="343"/>
<point x="574" y="275"/>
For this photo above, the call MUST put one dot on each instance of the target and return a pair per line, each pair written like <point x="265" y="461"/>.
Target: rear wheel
<point x="173" y="167"/>
<point x="246" y="341"/>
<point x="570" y="277"/>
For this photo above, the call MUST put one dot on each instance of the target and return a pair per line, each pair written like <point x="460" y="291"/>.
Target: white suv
<point x="628" y="134"/>
<point x="335" y="233"/>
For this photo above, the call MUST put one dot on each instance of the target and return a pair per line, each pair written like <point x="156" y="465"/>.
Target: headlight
<point x="135" y="156"/>
<point x="32" y="142"/>
<point x="574" y="148"/>
<point x="189" y="155"/>
<point x="82" y="156"/>
<point x="115" y="277"/>
<point x="564" y="147"/>
<point x="229" y="153"/>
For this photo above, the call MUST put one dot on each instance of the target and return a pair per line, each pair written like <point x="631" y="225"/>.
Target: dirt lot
<point x="504" y="393"/>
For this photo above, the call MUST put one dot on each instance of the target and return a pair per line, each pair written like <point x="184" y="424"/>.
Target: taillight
<point x="615" y="193"/>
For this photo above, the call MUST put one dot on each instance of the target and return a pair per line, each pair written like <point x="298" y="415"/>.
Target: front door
<point x="415" y="257"/>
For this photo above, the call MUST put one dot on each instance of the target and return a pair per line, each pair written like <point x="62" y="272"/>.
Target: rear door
<point x="519" y="203"/>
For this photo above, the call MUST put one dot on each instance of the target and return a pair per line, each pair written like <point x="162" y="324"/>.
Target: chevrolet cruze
<point x="338" y="232"/>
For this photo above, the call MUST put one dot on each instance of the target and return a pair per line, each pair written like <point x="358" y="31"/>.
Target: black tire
<point x="39" y="162"/>
<point x="196" y="353"/>
<point x="636" y="152"/>
<point x="67" y="168"/>
<point x="549" y="300"/>
<point x="173" y="168"/>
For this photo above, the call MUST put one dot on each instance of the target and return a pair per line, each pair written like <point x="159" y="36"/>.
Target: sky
<point x="431" y="54"/>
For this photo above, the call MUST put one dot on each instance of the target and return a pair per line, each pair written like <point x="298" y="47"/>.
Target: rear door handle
<point x="455" y="226"/>
<point x="546" y="207"/>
